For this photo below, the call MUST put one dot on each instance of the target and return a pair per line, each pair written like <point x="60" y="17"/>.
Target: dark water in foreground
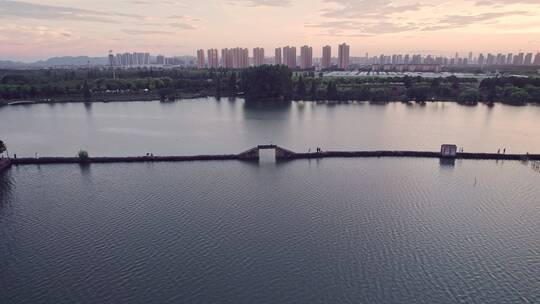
<point x="206" y="126"/>
<point x="329" y="231"/>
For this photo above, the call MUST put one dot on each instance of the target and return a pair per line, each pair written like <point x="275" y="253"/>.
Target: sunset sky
<point x="33" y="30"/>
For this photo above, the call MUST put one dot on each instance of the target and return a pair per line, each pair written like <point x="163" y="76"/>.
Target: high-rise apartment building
<point x="237" y="58"/>
<point x="490" y="59"/>
<point x="200" y="59"/>
<point x="481" y="59"/>
<point x="537" y="59"/>
<point x="160" y="59"/>
<point x="498" y="58"/>
<point x="258" y="56"/>
<point x="240" y="58"/>
<point x="112" y="59"/>
<point x="343" y="56"/>
<point x="226" y="59"/>
<point x="277" y="57"/>
<point x="146" y="58"/>
<point x="518" y="59"/>
<point x="528" y="59"/>
<point x="503" y="60"/>
<point x="213" y="58"/>
<point x="306" y="57"/>
<point x="289" y="56"/>
<point x="509" y="58"/>
<point x="326" y="61"/>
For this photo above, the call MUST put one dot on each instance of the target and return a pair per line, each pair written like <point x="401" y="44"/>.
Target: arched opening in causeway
<point x="267" y="155"/>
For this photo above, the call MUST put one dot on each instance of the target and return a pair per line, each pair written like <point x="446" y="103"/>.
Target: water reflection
<point x="447" y="162"/>
<point x="85" y="169"/>
<point x="266" y="108"/>
<point x="535" y="165"/>
<point x="6" y="185"/>
<point x="206" y="126"/>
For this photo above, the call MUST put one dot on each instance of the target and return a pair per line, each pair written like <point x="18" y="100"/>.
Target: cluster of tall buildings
<point x="185" y="61"/>
<point x="456" y="60"/>
<point x="143" y="59"/>
<point x="213" y="59"/>
<point x="235" y="58"/>
<point x="289" y="57"/>
<point x="258" y="56"/>
<point x="509" y="59"/>
<point x="238" y="58"/>
<point x="129" y="59"/>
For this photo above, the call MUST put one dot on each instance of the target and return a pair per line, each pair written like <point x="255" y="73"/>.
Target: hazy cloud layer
<point x="40" y="28"/>
<point x="506" y="2"/>
<point x="366" y="8"/>
<point x="184" y="18"/>
<point x="357" y="18"/>
<point x="184" y="26"/>
<point x="155" y="2"/>
<point x="146" y="32"/>
<point x="47" y="12"/>
<point x="261" y="2"/>
<point x="34" y="34"/>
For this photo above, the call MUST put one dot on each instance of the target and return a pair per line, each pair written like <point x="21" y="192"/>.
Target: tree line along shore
<point x="263" y="83"/>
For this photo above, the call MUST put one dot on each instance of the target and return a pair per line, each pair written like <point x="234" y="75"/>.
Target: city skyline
<point x="239" y="58"/>
<point x="33" y="30"/>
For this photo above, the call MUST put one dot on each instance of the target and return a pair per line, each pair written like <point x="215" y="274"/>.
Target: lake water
<point x="393" y="230"/>
<point x="328" y="231"/>
<point x="206" y="126"/>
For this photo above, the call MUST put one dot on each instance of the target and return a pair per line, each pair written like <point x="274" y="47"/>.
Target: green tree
<point x="301" y="87"/>
<point x="83" y="156"/>
<point x="218" y="87"/>
<point x="87" y="94"/>
<point x="534" y="93"/>
<point x="3" y="147"/>
<point x="167" y="94"/>
<point x="492" y="94"/>
<point x="418" y="93"/>
<point x="232" y="83"/>
<point x="469" y="96"/>
<point x="379" y="95"/>
<point x="435" y="83"/>
<point x="267" y="82"/>
<point x="331" y="91"/>
<point x="313" y="90"/>
<point x="407" y="82"/>
<point x="519" y="97"/>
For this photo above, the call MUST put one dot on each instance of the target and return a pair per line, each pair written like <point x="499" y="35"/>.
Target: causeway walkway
<point x="253" y="155"/>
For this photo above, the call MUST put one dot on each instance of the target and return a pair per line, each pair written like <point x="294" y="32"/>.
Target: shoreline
<point x="151" y="98"/>
<point x="98" y="99"/>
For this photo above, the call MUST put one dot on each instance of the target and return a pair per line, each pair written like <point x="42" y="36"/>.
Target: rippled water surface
<point x="329" y="231"/>
<point x="207" y="126"/>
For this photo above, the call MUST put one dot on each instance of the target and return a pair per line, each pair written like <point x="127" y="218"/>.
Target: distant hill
<point x="6" y="64"/>
<point x="69" y="60"/>
<point x="55" y="61"/>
